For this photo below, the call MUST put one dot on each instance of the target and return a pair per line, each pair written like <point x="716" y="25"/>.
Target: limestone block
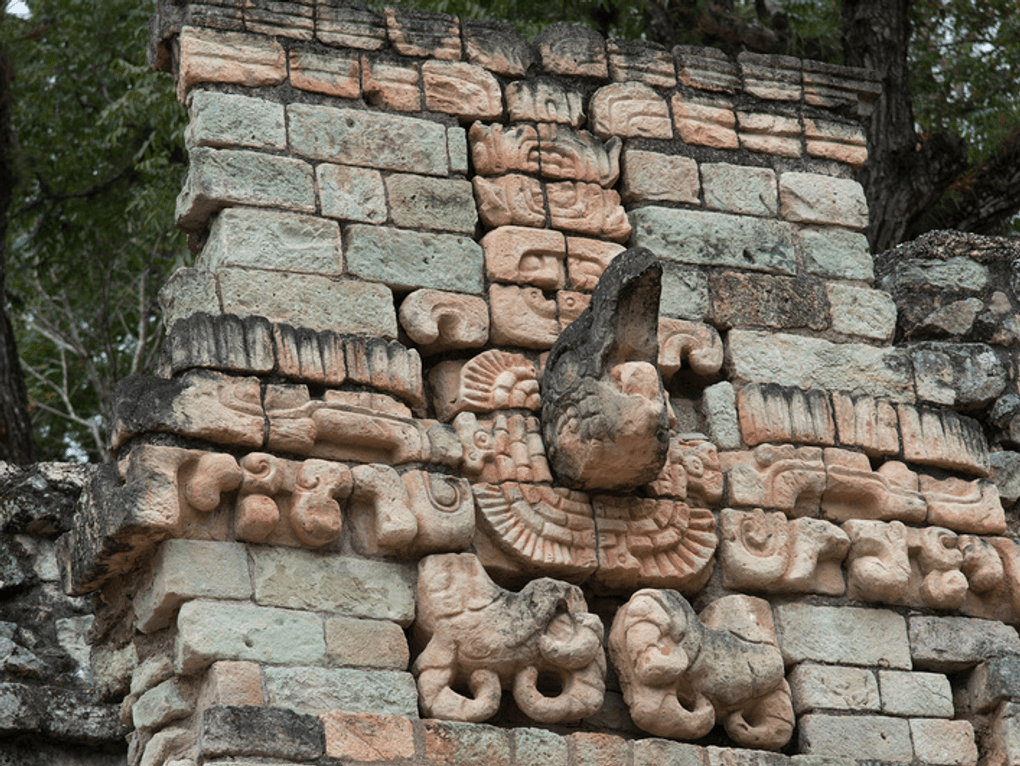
<point x="693" y="342"/>
<point x="843" y="636"/>
<point x="771" y="413"/>
<point x="544" y="629"/>
<point x="438" y="261"/>
<point x="836" y="253"/>
<point x="572" y="49"/>
<point x="497" y="46"/>
<point x="368" y="736"/>
<point x="640" y="61"/>
<point x="351" y="194"/>
<point x="296" y="579"/>
<point x="538" y="747"/>
<point x="831" y="687"/>
<point x="1004" y="736"/>
<point x="269" y="732"/>
<point x="186" y="292"/>
<point x="881" y="737"/>
<point x="769" y="133"/>
<point x="804" y="362"/>
<point x="842" y="88"/>
<point x="305" y="355"/>
<point x="319" y="303"/>
<point x="544" y="101"/>
<point x="944" y="743"/>
<point x="587" y="259"/>
<point x="350" y="26"/>
<point x="368" y="139"/>
<point x="705" y="69"/>
<point x="719" y="403"/>
<point x="220" y="342"/>
<point x="1006" y="474"/>
<point x="463" y="89"/>
<point x="836" y="141"/>
<point x="587" y="209"/>
<point x="226" y="120"/>
<point x="420" y="202"/>
<point x="187" y="569"/>
<point x="704" y="238"/>
<point x="729" y="663"/>
<point x="965" y="506"/>
<point x="230" y="682"/>
<point x="510" y="200"/>
<point x="361" y="643"/>
<point x="222" y="630"/>
<point x="570" y="306"/>
<point x="292" y="20"/>
<point x="521" y="316"/>
<point x="578" y="155"/>
<point x="452" y="742"/>
<point x="705" y="122"/>
<point x="426" y="34"/>
<point x="167" y="702"/>
<point x="766" y="300"/>
<point x="392" y="85"/>
<point x="772" y="77"/>
<point x="535" y="528"/>
<point x="654" y="177"/>
<point x="866" y="422"/>
<point x="778" y="477"/>
<point x="332" y="75"/>
<point x="739" y="189"/>
<point x="629" y="110"/>
<point x="268" y="239"/>
<point x="384" y="365"/>
<point x="854" y="491"/>
<point x="810" y="198"/>
<point x="684" y="292"/>
<point x="947" y="644"/>
<point x="661" y="752"/>
<point x="993" y="682"/>
<point x="963" y="375"/>
<point x="457" y="146"/>
<point x="218" y="178"/>
<point x="944" y="439"/>
<point x="207" y="55"/>
<point x="497" y="149"/>
<point x="526" y="256"/>
<point x="316" y="690"/>
<point x="662" y="543"/>
<point x="763" y="551"/>
<point x="953" y="319"/>
<point x="926" y="695"/>
<point x="439" y="321"/>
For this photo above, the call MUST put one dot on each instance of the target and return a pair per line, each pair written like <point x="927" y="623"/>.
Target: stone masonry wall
<point x="773" y="500"/>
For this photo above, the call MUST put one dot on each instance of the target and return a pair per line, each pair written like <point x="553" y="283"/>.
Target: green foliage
<point x="99" y="159"/>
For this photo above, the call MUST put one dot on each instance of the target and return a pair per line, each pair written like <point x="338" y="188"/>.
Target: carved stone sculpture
<point x="776" y="477"/>
<point x="604" y="415"/>
<point x="483" y="638"/>
<point x="679" y="676"/>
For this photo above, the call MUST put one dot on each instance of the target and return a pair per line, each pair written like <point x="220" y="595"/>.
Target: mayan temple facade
<point x="540" y="404"/>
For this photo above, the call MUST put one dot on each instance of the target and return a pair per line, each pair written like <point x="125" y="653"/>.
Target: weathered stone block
<point x="350" y="26"/>
<point x="629" y="110"/>
<point x="866" y="422"/>
<point x="220" y="342"/>
<point x="739" y="189"/>
<point x="221" y="177"/>
<point x="319" y="690"/>
<point x="831" y="687"/>
<point x="368" y="736"/>
<point x="943" y="438"/>
<point x="169" y="701"/>
<point x="187" y="292"/>
<point x="944" y="743"/>
<point x="769" y="134"/>
<point x="770" y="76"/>
<point x="344" y="306"/>
<point x="947" y="644"/>
<point x="351" y="194"/>
<point x="732" y="756"/>
<point x="225" y="120"/>
<point x="882" y="738"/>
<point x="521" y="316"/>
<point x="814" y="363"/>
<point x="862" y="312"/>
<point x="497" y="46"/>
<point x="764" y="300"/>
<point x="926" y="695"/>
<point x="962" y="375"/>
<point x="836" y="253"/>
<point x="366" y="643"/>
<point x="684" y="292"/>
<point x="715" y="239"/>
<point x="222" y="630"/>
<point x="332" y="74"/>
<point x="663" y="752"/>
<point x="544" y="101"/>
<point x="427" y="34"/>
<point x="719" y="403"/>
<point x="420" y="202"/>
<point x="188" y="569"/>
<point x="705" y="122"/>
<point x="392" y="86"/>
<point x="772" y="413"/>
<point x="207" y="55"/>
<point x="572" y="49"/>
<point x="297" y="579"/>
<point x="538" y="747"/>
<point x="268" y="732"/>
<point x="523" y="255"/>
<point x="269" y="239"/>
<point x="229" y="682"/>
<point x="811" y="198"/>
<point x="368" y="139"/>
<point x="465" y="90"/>
<point x="994" y="681"/>
<point x="599" y="749"/>
<point x="842" y="635"/>
<point x="409" y="259"/>
<point x="654" y="177"/>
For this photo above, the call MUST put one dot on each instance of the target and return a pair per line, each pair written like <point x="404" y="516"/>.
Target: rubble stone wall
<point x="428" y="478"/>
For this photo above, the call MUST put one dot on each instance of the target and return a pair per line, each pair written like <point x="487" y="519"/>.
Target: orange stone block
<point x="587" y="209"/>
<point x="521" y="316"/>
<point x="392" y="86"/>
<point x="629" y="110"/>
<point x="465" y="90"/>
<point x="705" y="124"/>
<point x="368" y="736"/>
<point x="526" y="256"/>
<point x="587" y="259"/>
<point x="333" y="75"/>
<point x="233" y="57"/>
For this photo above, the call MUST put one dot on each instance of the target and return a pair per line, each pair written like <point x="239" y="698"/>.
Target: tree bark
<point x="17" y="444"/>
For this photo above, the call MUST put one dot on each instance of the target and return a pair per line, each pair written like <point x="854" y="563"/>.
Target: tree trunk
<point x="17" y="444"/>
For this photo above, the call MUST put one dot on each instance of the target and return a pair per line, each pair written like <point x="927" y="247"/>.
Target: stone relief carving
<point x="680" y="675"/>
<point x="482" y="638"/>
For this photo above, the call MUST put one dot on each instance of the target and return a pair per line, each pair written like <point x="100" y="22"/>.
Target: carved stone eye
<point x="694" y="466"/>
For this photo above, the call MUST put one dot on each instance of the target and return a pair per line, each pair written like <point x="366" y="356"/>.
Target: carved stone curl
<point x="678" y="674"/>
<point x="605" y="418"/>
<point x="484" y="638"/>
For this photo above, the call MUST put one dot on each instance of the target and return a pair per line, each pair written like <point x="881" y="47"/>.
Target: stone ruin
<point x="437" y="471"/>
